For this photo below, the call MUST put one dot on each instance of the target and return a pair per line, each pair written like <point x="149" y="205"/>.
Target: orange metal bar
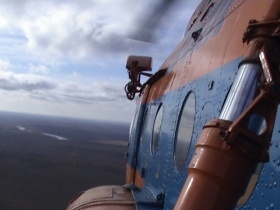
<point x="227" y="153"/>
<point x="217" y="175"/>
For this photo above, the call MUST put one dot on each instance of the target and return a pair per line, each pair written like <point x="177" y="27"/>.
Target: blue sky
<point x="68" y="57"/>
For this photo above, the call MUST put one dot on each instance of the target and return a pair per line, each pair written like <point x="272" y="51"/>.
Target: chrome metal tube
<point x="242" y="91"/>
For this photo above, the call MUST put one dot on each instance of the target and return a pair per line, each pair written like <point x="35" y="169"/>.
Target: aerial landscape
<point x="46" y="161"/>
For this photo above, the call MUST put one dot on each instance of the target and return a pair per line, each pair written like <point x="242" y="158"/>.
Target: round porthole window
<point x="184" y="131"/>
<point x="156" y="130"/>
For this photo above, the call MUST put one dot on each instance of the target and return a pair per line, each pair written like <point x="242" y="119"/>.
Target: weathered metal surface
<point x="103" y="198"/>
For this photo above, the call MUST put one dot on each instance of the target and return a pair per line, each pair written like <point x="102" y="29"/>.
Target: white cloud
<point x="40" y="94"/>
<point x="4" y="65"/>
<point x="39" y="69"/>
<point x="47" y="89"/>
<point x="10" y="81"/>
<point x="78" y="29"/>
<point x="46" y="48"/>
<point x="70" y="28"/>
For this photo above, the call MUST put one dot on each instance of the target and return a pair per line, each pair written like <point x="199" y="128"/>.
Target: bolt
<point x="259" y="44"/>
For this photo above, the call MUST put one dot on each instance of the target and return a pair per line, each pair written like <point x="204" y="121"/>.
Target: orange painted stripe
<point x="134" y="177"/>
<point x="212" y="52"/>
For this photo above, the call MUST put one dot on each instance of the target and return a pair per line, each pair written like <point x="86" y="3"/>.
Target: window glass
<point x="156" y="130"/>
<point x="133" y="125"/>
<point x="184" y="131"/>
<point x="144" y="124"/>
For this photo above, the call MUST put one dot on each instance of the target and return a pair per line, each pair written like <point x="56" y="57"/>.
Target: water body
<point x="21" y="128"/>
<point x="60" y="138"/>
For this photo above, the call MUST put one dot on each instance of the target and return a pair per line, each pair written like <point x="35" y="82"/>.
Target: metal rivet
<point x="210" y="85"/>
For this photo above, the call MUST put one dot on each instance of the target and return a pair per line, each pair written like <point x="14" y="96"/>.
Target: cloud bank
<point x="75" y="29"/>
<point x="69" y="56"/>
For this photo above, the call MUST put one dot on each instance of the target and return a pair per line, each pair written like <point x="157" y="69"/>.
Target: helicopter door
<point x="134" y="138"/>
<point x="134" y="177"/>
